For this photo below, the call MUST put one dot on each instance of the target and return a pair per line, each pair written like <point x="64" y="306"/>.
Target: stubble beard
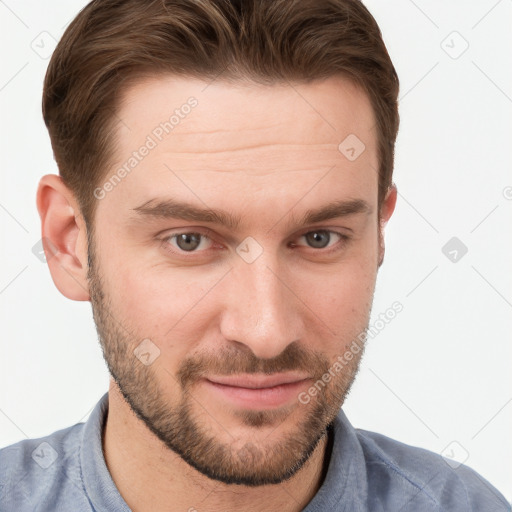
<point x="189" y="431"/>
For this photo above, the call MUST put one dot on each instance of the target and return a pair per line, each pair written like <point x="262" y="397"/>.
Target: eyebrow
<point x="168" y="208"/>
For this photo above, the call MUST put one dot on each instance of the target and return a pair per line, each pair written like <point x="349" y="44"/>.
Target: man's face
<point x="268" y="301"/>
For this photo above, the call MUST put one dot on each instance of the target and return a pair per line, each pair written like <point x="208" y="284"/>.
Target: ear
<point x="64" y="237"/>
<point x="386" y="210"/>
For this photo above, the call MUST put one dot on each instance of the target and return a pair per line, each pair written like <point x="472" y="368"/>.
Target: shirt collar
<point x="345" y="485"/>
<point x="99" y="486"/>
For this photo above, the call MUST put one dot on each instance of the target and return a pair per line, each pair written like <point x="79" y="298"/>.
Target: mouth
<point x="258" y="391"/>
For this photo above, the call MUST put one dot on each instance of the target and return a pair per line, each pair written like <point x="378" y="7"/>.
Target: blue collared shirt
<point x="66" y="471"/>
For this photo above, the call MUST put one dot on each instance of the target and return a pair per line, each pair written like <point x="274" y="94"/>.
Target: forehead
<point x="319" y="112"/>
<point x="225" y="142"/>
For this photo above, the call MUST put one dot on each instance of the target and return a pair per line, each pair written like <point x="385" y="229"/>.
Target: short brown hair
<point x="112" y="42"/>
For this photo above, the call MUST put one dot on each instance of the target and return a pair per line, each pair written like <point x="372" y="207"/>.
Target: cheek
<point x="340" y="298"/>
<point x="344" y="300"/>
<point x="166" y="305"/>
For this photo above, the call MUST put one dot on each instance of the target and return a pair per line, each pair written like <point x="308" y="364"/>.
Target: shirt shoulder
<point x="447" y="486"/>
<point x="43" y="473"/>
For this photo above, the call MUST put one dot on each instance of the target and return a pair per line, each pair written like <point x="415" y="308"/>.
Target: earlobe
<point x="387" y="209"/>
<point x="64" y="237"/>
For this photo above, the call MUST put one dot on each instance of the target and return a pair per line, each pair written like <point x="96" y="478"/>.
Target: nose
<point x="260" y="308"/>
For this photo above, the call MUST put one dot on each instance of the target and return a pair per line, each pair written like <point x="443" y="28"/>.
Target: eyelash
<point x="344" y="238"/>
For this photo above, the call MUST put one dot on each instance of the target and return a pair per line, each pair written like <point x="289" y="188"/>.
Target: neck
<point x="150" y="476"/>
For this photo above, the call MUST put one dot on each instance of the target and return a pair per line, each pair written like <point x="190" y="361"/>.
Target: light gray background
<point x="437" y="376"/>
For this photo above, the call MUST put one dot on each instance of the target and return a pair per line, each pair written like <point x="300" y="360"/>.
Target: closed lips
<point x="258" y="382"/>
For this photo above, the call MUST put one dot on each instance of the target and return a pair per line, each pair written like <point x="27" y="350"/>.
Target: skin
<point x="265" y="154"/>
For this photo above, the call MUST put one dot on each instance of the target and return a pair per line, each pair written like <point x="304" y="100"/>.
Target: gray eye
<point x="318" y="239"/>
<point x="188" y="241"/>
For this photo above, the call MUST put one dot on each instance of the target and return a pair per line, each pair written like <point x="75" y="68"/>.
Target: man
<point x="225" y="180"/>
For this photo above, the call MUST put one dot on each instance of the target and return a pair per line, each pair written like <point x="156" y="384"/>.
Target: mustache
<point x="231" y="361"/>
